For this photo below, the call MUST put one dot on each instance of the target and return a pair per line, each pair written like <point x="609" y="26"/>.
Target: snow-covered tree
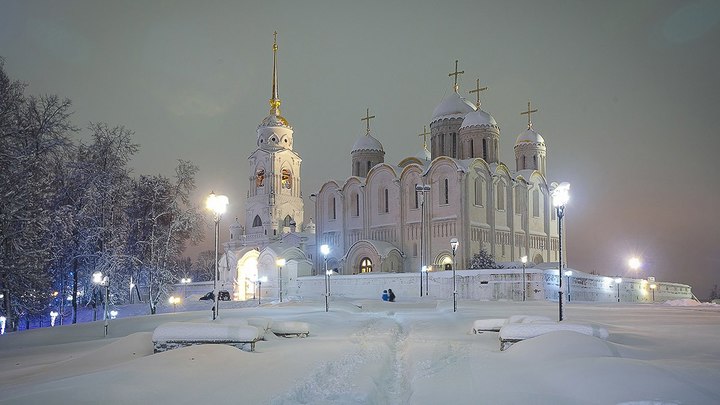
<point x="483" y="260"/>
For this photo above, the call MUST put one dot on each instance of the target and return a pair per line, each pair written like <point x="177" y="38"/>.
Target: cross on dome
<point x="528" y="112"/>
<point x="367" y="118"/>
<point x="456" y="74"/>
<point x="274" y="100"/>
<point x="477" y="90"/>
<point x="424" y="135"/>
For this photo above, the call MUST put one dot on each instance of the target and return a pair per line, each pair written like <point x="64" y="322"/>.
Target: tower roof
<point x="478" y="117"/>
<point x="367" y="142"/>
<point x="529" y="136"/>
<point x="274" y="119"/>
<point x="452" y="106"/>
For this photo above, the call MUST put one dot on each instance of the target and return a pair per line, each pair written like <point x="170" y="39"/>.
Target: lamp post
<point x="104" y="281"/>
<point x="454" y="245"/>
<point x="280" y="263"/>
<point x="325" y="250"/>
<point x="422" y="189"/>
<point x="259" y="282"/>
<point x="524" y="263"/>
<point x="218" y="205"/>
<point x="53" y="316"/>
<point x="560" y="196"/>
<point x="568" y="273"/>
<point x="618" y="280"/>
<point x="174" y="301"/>
<point x="653" y="286"/>
<point x="185" y="281"/>
<point x="423" y="270"/>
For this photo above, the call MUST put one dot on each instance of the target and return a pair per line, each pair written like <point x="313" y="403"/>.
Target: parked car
<point x="208" y="297"/>
<point x="224" y="295"/>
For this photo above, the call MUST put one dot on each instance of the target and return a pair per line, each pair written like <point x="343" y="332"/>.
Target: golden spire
<point x="456" y="74"/>
<point x="274" y="100"/>
<point x="424" y="135"/>
<point x="528" y="112"/>
<point x="477" y="90"/>
<point x="367" y="118"/>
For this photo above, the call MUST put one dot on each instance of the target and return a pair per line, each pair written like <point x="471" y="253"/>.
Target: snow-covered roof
<point x="367" y="142"/>
<point x="478" y="118"/>
<point x="273" y="120"/>
<point x="452" y="106"/>
<point x="529" y="136"/>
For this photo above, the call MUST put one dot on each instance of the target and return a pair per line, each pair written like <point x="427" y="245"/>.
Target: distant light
<point x="53" y="315"/>
<point x="113" y="314"/>
<point x="174" y="300"/>
<point x="424" y="269"/>
<point x="263" y="279"/>
<point x="634" y="263"/>
<point x="454" y="244"/>
<point x="325" y="250"/>
<point x="329" y="272"/>
<point x="618" y="280"/>
<point x="568" y="273"/>
<point x="523" y="259"/>
<point x="97" y="277"/>
<point x="653" y="286"/>
<point x="280" y="262"/>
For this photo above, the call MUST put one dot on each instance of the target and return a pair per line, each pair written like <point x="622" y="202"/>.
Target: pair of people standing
<point x="388" y="295"/>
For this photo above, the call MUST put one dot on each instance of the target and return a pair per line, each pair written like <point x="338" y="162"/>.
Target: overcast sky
<point x="628" y="93"/>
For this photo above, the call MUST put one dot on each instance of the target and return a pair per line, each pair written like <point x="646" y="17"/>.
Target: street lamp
<point x="280" y="263"/>
<point x="454" y="245"/>
<point x="2" y="325"/>
<point x="423" y="270"/>
<point x="174" y="301"/>
<point x="325" y="250"/>
<point x="104" y="281"/>
<point x="568" y="273"/>
<point x="218" y="205"/>
<point x="259" y="282"/>
<point x="652" y="288"/>
<point x="422" y="189"/>
<point x="524" y="263"/>
<point x="634" y="263"/>
<point x="617" y="282"/>
<point x="53" y="315"/>
<point x="185" y="281"/>
<point x="560" y="196"/>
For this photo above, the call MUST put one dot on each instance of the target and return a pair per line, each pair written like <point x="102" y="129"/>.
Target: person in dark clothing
<point x="391" y="295"/>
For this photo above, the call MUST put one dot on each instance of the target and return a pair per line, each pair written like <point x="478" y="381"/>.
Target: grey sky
<point x="628" y="93"/>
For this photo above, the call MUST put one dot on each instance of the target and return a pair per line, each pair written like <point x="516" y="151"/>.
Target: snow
<point x="686" y="302"/>
<point x="367" y="352"/>
<point x="205" y="331"/>
<point x="515" y="331"/>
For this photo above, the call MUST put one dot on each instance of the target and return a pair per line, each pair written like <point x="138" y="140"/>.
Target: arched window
<point x="366" y="265"/>
<point x="257" y="221"/>
<point x="369" y="166"/>
<point x="387" y="200"/>
<point x="524" y="165"/>
<point x="355" y="204"/>
<point x="260" y="177"/>
<point x="479" y="191"/>
<point x="415" y="250"/>
<point x="286" y="179"/>
<point x="287" y="220"/>
<point x="454" y="145"/>
<point x="535" y="165"/>
<point x="445" y="196"/>
<point x="331" y="208"/>
<point x="501" y="196"/>
<point x="442" y="144"/>
<point x="485" y="149"/>
<point x="357" y="169"/>
<point x="536" y="203"/>
<point x="472" y="149"/>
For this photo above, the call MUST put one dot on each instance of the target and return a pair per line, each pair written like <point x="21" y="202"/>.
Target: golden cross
<point x="367" y="118"/>
<point x="477" y="90"/>
<point x="456" y="74"/>
<point x="424" y="135"/>
<point x="528" y="112"/>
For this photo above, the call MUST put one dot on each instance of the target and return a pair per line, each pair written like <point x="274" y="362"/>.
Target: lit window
<point x="365" y="265"/>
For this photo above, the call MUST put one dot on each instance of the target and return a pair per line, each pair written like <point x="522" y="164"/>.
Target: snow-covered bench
<point x="512" y="333"/>
<point x="173" y="335"/>
<point x="290" y="328"/>
<point x="494" y="325"/>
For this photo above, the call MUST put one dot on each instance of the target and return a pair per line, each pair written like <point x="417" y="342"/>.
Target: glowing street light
<point x="325" y="250"/>
<point x="617" y="282"/>
<point x="185" y="281"/>
<point x="2" y="325"/>
<point x="53" y="316"/>
<point x="524" y="263"/>
<point x="280" y="263"/>
<point x="560" y="197"/>
<point x="454" y="245"/>
<point x="104" y="281"/>
<point x="634" y="263"/>
<point x="113" y="314"/>
<point x="174" y="301"/>
<point x="218" y="205"/>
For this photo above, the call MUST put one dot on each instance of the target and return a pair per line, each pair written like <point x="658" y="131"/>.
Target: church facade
<point x="390" y="218"/>
<point x="393" y="218"/>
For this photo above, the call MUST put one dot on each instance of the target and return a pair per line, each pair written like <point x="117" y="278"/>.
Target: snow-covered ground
<point x="372" y="352"/>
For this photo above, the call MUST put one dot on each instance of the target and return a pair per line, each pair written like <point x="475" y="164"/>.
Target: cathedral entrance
<point x="366" y="265"/>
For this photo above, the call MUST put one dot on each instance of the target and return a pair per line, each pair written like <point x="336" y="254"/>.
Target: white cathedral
<point x="393" y="218"/>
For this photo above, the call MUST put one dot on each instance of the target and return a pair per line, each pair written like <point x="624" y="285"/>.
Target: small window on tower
<point x="260" y="178"/>
<point x="286" y="179"/>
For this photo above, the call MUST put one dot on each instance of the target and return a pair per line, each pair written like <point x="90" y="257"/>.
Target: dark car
<point x="224" y="295"/>
<point x="208" y="297"/>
